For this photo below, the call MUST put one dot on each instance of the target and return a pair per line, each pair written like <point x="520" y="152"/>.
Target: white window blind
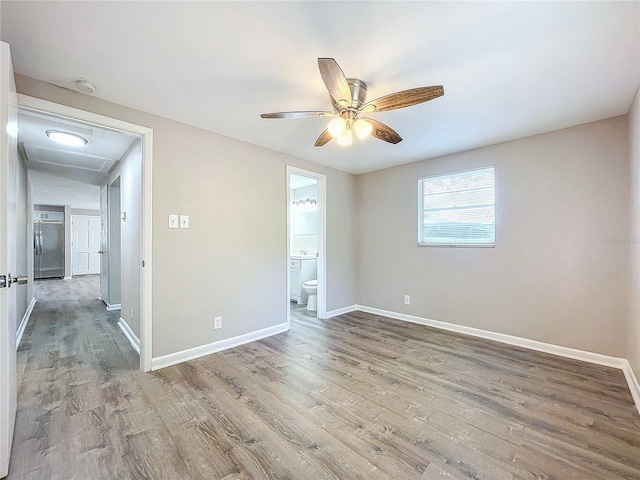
<point x="457" y="209"/>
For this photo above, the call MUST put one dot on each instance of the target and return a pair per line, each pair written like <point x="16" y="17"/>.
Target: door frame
<point x="322" y="239"/>
<point x="114" y="265"/>
<point x="104" y="246"/>
<point x="26" y="102"/>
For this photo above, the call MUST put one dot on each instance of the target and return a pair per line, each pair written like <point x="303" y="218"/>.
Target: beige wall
<point x="232" y="261"/>
<point x="114" y="257"/>
<point x="633" y="347"/>
<point x="552" y="276"/>
<point x="129" y="170"/>
<point x="555" y="275"/>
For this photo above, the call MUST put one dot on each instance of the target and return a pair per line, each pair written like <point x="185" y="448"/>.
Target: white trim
<point x="40" y="105"/>
<point x="133" y="340"/>
<point x="341" y="311"/>
<point x="567" y="352"/>
<point x="321" y="265"/>
<point x="67" y="277"/>
<point x="287" y="256"/>
<point x="503" y="338"/>
<point x="146" y="300"/>
<point x="24" y="321"/>
<point x="146" y="135"/>
<point x="202" y="350"/>
<point x="115" y="306"/>
<point x="632" y="380"/>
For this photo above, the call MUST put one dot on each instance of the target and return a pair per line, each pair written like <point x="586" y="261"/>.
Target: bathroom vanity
<point x="301" y="268"/>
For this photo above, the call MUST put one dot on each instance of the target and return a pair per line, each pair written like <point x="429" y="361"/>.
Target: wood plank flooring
<point x="355" y="397"/>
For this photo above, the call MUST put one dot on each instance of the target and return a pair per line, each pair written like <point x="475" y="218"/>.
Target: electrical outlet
<point x="407" y="299"/>
<point x="217" y="323"/>
<point x="131" y="316"/>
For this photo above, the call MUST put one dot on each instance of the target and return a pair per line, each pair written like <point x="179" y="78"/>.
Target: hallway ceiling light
<point x="66" y="138"/>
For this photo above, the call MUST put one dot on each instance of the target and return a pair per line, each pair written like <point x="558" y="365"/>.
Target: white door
<point x="86" y="235"/>
<point x="104" y="246"/>
<point x="8" y="225"/>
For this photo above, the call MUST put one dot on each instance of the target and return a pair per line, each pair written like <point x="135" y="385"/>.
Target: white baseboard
<point x="340" y="311"/>
<point x="24" y="321"/>
<point x="567" y="352"/>
<point x="133" y="339"/>
<point x="634" y="386"/>
<point x="111" y="308"/>
<point x="202" y="350"/>
<point x="67" y="277"/>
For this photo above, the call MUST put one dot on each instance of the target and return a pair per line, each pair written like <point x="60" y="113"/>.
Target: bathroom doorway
<point x="306" y="206"/>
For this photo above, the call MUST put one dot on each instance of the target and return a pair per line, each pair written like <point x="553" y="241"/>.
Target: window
<point x="457" y="209"/>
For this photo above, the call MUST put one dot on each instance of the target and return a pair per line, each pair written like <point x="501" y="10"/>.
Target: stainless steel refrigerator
<point x="48" y="248"/>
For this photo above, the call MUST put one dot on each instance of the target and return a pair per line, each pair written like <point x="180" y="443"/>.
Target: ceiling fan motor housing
<point x="358" y="92"/>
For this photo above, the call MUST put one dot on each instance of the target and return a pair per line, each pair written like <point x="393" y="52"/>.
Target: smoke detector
<point x="85" y="86"/>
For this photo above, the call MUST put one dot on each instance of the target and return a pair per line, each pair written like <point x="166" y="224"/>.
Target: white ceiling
<point x="66" y="175"/>
<point x="90" y="163"/>
<point x="50" y="189"/>
<point x="509" y="69"/>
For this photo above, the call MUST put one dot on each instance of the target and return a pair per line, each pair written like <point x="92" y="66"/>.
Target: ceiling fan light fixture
<point x="346" y="138"/>
<point x="349" y="100"/>
<point x="362" y="128"/>
<point x="337" y="126"/>
<point x="66" y="138"/>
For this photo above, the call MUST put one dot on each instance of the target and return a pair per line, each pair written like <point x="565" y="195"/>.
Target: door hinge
<point x="143" y="263"/>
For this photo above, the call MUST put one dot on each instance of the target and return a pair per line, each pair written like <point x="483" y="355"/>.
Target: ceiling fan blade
<point x="323" y="138"/>
<point x="403" y="99"/>
<point x="297" y="114"/>
<point x="383" y="132"/>
<point x="334" y="80"/>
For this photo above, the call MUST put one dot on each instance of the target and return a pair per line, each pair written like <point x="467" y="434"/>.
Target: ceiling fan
<point x="348" y="97"/>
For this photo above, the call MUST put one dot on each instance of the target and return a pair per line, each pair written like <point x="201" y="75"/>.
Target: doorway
<point x="143" y="146"/>
<point x="85" y="245"/>
<point x="306" y="239"/>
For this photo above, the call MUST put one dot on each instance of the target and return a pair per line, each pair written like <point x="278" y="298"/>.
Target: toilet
<point x="311" y="287"/>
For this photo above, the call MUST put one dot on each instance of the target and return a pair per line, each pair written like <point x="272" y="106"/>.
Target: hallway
<point x="74" y="366"/>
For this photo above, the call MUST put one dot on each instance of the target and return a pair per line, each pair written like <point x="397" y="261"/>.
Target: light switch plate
<point x="184" y="221"/>
<point x="173" y="221"/>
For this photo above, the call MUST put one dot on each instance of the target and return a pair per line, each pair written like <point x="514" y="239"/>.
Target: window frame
<point x="422" y="243"/>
